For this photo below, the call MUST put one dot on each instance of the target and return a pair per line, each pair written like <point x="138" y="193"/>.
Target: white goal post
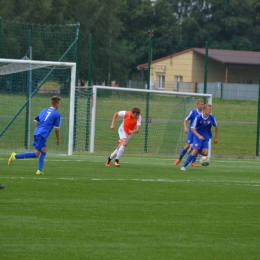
<point x="12" y="87"/>
<point x="163" y="110"/>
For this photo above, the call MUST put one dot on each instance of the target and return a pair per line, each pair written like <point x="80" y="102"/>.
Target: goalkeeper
<point x="131" y="125"/>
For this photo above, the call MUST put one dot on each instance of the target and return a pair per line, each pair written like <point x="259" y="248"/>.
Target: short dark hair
<point x="136" y="110"/>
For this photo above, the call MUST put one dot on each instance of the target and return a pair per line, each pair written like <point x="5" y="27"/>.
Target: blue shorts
<point x="39" y="142"/>
<point x="189" y="138"/>
<point x="200" y="144"/>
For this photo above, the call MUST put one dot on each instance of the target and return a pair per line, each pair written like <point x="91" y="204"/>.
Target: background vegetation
<point x="121" y="28"/>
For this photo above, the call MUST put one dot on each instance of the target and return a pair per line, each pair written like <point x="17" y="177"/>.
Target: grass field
<point x="145" y="209"/>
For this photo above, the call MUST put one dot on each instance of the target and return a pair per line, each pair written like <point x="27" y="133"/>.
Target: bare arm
<point x="57" y="133"/>
<point x="185" y="126"/>
<point x="113" y="121"/>
<point x="136" y="130"/>
<point x="216" y="135"/>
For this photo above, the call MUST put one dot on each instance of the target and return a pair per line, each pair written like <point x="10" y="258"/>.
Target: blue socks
<point x="32" y="155"/>
<point x="188" y="160"/>
<point x="25" y="155"/>
<point x="182" y="153"/>
<point x="41" y="161"/>
<point x="194" y="158"/>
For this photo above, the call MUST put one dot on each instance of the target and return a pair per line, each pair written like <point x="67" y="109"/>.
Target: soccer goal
<point x="162" y="119"/>
<point x="26" y="87"/>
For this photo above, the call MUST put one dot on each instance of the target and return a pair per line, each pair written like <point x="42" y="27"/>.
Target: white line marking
<point x="252" y="183"/>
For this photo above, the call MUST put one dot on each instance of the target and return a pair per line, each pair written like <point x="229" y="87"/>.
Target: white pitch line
<point x="175" y="181"/>
<point x="102" y="159"/>
<point x="252" y="183"/>
<point x="159" y="162"/>
<point x="39" y="178"/>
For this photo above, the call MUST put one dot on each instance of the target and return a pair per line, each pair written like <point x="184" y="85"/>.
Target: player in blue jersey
<point x="192" y="115"/>
<point x="201" y="128"/>
<point x="48" y="119"/>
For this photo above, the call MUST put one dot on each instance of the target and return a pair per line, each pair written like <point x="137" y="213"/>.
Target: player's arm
<point x="56" y="126"/>
<point x="185" y="126"/>
<point x="57" y="133"/>
<point x="138" y="126"/>
<point x="37" y="120"/>
<point x="114" y="120"/>
<point x="185" y="122"/>
<point x="136" y="130"/>
<point x="216" y="135"/>
<point x="194" y="131"/>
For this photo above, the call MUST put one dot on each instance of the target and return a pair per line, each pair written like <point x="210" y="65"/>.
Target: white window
<point x="160" y="82"/>
<point x="177" y="80"/>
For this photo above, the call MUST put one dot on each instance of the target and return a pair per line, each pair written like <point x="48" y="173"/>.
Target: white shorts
<point x="123" y="134"/>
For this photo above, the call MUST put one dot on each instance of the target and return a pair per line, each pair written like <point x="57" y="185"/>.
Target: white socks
<point x="120" y="152"/>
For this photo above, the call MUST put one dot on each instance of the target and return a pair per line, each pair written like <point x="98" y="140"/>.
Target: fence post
<point x="76" y="58"/>
<point x="206" y="68"/>
<point x="27" y="139"/>
<point x="258" y="117"/>
<point x="148" y="87"/>
<point x="1" y="37"/>
<point x="89" y="92"/>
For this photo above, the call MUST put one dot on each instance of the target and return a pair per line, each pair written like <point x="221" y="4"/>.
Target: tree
<point x="40" y="11"/>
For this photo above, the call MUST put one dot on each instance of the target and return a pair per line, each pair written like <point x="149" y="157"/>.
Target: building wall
<point x="217" y="72"/>
<point x="197" y="68"/>
<point x="175" y="68"/>
<point x="242" y="75"/>
<point x="189" y="68"/>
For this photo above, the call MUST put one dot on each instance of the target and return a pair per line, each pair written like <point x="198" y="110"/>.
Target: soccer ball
<point x="204" y="160"/>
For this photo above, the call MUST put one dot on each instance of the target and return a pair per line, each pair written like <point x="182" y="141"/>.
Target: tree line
<point x="121" y="28"/>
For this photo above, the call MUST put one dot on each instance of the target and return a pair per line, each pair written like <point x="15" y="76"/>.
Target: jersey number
<point x="48" y="113"/>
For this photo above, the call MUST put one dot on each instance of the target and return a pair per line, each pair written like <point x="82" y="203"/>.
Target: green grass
<point x="145" y="209"/>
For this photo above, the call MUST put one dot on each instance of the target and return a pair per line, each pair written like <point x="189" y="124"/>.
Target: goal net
<point x="162" y="114"/>
<point x="26" y="87"/>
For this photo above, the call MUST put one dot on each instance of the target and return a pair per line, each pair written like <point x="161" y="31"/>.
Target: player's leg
<point x="25" y="155"/>
<point x="205" y="147"/>
<point x="124" y="142"/>
<point x="114" y="153"/>
<point x="190" y="149"/>
<point x="203" y="150"/>
<point x="197" y="143"/>
<point x="185" y="148"/>
<point x="40" y="150"/>
<point x="193" y="161"/>
<point x="41" y="161"/>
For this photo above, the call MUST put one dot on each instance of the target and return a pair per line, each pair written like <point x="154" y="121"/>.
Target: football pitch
<point x="145" y="209"/>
